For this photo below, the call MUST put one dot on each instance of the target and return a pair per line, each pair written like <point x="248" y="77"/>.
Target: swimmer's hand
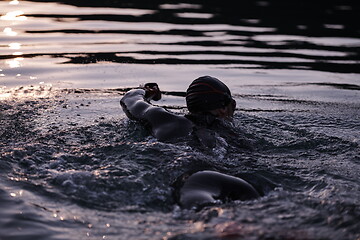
<point x="152" y="91"/>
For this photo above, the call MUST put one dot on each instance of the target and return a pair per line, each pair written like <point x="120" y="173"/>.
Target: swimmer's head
<point x="209" y="94"/>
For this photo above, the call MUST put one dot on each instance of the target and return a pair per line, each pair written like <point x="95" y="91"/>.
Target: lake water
<point x="72" y="166"/>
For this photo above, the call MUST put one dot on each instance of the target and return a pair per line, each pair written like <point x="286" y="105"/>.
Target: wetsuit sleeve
<point x="164" y="125"/>
<point x="205" y="187"/>
<point x="134" y="105"/>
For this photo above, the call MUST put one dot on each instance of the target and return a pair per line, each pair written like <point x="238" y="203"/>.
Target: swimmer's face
<point x="230" y="108"/>
<point x="227" y="111"/>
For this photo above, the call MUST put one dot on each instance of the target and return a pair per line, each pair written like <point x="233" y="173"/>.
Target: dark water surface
<point x="72" y="166"/>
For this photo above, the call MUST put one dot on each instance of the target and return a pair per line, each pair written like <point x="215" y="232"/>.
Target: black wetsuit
<point x="201" y="188"/>
<point x="206" y="187"/>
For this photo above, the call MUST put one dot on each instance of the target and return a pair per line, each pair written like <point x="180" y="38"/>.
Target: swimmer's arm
<point x="164" y="125"/>
<point x="134" y="104"/>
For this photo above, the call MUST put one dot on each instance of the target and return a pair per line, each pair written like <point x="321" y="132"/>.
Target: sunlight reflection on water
<point x="140" y="35"/>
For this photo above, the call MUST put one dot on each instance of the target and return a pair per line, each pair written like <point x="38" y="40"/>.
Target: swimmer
<point x="208" y="100"/>
<point x="210" y="106"/>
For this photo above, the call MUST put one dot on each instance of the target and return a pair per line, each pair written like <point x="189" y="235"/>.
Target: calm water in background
<point x="73" y="167"/>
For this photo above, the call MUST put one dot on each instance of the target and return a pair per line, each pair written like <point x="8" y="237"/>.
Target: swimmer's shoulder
<point x="167" y="125"/>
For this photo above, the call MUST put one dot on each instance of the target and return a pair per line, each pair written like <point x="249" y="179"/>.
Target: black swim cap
<point x="207" y="93"/>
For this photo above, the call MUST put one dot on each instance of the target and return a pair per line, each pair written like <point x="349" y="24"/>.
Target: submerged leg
<point x="206" y="187"/>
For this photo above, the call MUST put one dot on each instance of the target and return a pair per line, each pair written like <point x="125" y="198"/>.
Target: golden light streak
<point x="14" y="2"/>
<point x="15" y="46"/>
<point x="18" y="194"/>
<point x="14" y="16"/>
<point x="9" y="32"/>
<point x="14" y="63"/>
